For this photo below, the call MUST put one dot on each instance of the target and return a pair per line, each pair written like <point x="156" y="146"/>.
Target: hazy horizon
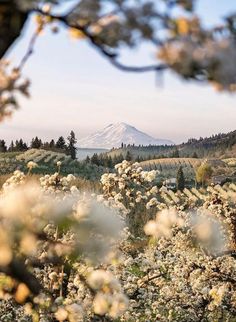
<point x="27" y="138"/>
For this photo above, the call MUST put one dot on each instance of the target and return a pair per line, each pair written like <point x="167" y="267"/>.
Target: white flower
<point x="119" y="305"/>
<point x="31" y="165"/>
<point x="61" y="314"/>
<point x="101" y="303"/>
<point x="99" y="278"/>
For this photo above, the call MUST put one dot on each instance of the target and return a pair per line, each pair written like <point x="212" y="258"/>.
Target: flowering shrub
<point x="42" y="236"/>
<point x="132" y="191"/>
<point x="10" y="84"/>
<point x="67" y="255"/>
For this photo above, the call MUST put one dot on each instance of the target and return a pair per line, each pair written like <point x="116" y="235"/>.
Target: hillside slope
<point x="220" y="146"/>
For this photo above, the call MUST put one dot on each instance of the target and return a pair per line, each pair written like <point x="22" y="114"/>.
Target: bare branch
<point x="111" y="56"/>
<point x="29" y="51"/>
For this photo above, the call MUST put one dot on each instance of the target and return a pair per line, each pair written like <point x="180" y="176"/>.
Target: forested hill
<point x="219" y="145"/>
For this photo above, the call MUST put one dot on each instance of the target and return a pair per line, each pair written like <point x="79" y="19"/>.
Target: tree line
<point x="109" y="161"/>
<point x="193" y="148"/>
<point x="67" y="145"/>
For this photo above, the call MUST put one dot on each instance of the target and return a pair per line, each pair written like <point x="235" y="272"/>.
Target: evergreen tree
<point x="46" y="145"/>
<point x="52" y="144"/>
<point x="115" y="160"/>
<point x="195" y="155"/>
<point x="22" y="146"/>
<point x="120" y="158"/>
<point x="95" y="159"/>
<point x="61" y="143"/>
<point x="3" y="147"/>
<point x="128" y="156"/>
<point x="11" y="147"/>
<point x="36" y="143"/>
<point x="175" y="153"/>
<point x="71" y="145"/>
<point x="109" y="162"/>
<point x="103" y="159"/>
<point x="180" y="180"/>
<point x="87" y="160"/>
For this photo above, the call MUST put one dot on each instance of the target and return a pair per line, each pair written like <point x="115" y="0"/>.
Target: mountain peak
<point x="119" y="125"/>
<point x="115" y="134"/>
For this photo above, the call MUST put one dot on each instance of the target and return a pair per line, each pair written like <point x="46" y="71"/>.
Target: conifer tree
<point x="52" y="144"/>
<point x="11" y="147"/>
<point x="175" y="153"/>
<point x="94" y="159"/>
<point x="3" y="147"/>
<point x="128" y="156"/>
<point x="36" y="143"/>
<point x="71" y="145"/>
<point x="109" y="162"/>
<point x="180" y="180"/>
<point x="61" y="143"/>
<point x="87" y="160"/>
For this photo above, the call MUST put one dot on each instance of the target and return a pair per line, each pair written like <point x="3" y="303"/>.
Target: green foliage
<point x="3" y="147"/>
<point x="217" y="146"/>
<point x="180" y="180"/>
<point x="128" y="156"/>
<point x="36" y="143"/>
<point x="71" y="145"/>
<point x="135" y="270"/>
<point x="204" y="173"/>
<point x="175" y="153"/>
<point x="61" y="143"/>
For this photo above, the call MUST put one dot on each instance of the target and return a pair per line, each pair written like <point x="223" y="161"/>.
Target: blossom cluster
<point x="47" y="230"/>
<point x="10" y="84"/>
<point x="88" y="264"/>
<point x="190" y="60"/>
<point x="128" y="186"/>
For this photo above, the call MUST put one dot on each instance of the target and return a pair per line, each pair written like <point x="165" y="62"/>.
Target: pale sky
<point x="73" y="87"/>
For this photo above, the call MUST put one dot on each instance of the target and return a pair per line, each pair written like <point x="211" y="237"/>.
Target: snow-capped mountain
<point x="115" y="134"/>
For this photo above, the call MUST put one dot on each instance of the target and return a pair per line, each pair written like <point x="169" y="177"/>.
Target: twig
<point x="112" y="57"/>
<point x="29" y="51"/>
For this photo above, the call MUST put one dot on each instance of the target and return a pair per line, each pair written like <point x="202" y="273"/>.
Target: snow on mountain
<point x="114" y="134"/>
